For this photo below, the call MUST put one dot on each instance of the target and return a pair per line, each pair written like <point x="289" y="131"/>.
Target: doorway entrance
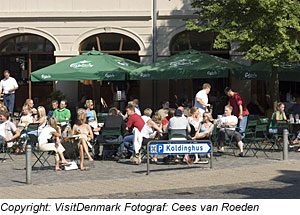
<point x="22" y="55"/>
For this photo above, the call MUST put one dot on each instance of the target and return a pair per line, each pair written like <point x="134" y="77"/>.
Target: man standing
<point x="240" y="110"/>
<point x="8" y="86"/>
<point x="201" y="100"/>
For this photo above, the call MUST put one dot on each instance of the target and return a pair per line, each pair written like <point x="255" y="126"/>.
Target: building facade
<point x="37" y="33"/>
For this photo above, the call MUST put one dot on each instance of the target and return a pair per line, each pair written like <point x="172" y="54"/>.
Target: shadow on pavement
<point x="19" y="182"/>
<point x="168" y="169"/>
<point x="287" y="188"/>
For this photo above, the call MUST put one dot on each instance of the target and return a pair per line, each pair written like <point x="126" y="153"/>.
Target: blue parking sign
<point x="160" y="148"/>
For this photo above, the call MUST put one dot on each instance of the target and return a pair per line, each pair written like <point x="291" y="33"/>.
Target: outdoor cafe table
<point x="294" y="127"/>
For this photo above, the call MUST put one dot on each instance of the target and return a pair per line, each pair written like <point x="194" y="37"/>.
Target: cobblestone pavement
<point x="125" y="177"/>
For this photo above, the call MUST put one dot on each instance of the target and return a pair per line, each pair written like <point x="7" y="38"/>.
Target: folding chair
<point x="279" y="135"/>
<point x="249" y="137"/>
<point x="214" y="136"/>
<point x="5" y="150"/>
<point x="178" y="134"/>
<point x="229" y="141"/>
<point x="260" y="137"/>
<point x="101" y="117"/>
<point x="32" y="139"/>
<point x="112" y="138"/>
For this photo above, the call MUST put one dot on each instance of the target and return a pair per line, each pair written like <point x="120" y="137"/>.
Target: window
<point x="110" y="43"/>
<point x="27" y="43"/>
<point x="198" y="41"/>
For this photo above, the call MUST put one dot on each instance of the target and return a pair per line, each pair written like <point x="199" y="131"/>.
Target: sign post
<point x="178" y="147"/>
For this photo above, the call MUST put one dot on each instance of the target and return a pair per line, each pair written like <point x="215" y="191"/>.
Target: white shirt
<point x="7" y="84"/>
<point x="147" y="130"/>
<point x="203" y="96"/>
<point x="2" y="130"/>
<point x="137" y="111"/>
<point x="229" y="119"/>
<point x="46" y="134"/>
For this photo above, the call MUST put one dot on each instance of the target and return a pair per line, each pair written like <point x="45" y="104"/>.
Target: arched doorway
<point x="21" y="55"/>
<point x="114" y="44"/>
<point x="188" y="88"/>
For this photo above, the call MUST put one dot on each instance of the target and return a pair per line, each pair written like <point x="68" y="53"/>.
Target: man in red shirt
<point x="134" y="121"/>
<point x="240" y="110"/>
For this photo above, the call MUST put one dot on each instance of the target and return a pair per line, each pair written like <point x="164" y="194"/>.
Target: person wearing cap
<point x="179" y="122"/>
<point x="8" y="86"/>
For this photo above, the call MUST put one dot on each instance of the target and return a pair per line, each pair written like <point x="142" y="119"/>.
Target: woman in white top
<point x="148" y="131"/>
<point x="26" y="118"/>
<point x="204" y="130"/>
<point x="42" y="118"/>
<point x="48" y="132"/>
<point x="194" y="119"/>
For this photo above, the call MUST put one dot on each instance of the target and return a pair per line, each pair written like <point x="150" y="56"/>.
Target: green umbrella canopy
<point x="258" y="71"/>
<point x="187" y="65"/>
<point x="92" y="65"/>
<point x="263" y="71"/>
<point x="289" y="72"/>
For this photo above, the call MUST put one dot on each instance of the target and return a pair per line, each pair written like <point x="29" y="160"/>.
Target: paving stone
<point x="126" y="178"/>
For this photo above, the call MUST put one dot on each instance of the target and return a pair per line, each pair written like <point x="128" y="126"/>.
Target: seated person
<point x="295" y="108"/>
<point x="42" y="118"/>
<point x="91" y="114"/>
<point x="54" y="107"/>
<point x="296" y="141"/>
<point x="183" y="110"/>
<point x="26" y="117"/>
<point x="228" y="124"/>
<point x="194" y="120"/>
<point x="62" y="114"/>
<point x="113" y="120"/>
<point x="8" y="130"/>
<point x="204" y="130"/>
<point x="136" y="106"/>
<point x="30" y="104"/>
<point x="157" y="119"/>
<point x="180" y="122"/>
<point x="277" y="117"/>
<point x="165" y="108"/>
<point x="146" y="133"/>
<point x="85" y="134"/>
<point x="165" y="120"/>
<point x="52" y="131"/>
<point x="135" y="123"/>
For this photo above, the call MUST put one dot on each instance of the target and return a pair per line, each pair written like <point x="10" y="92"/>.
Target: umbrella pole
<point x="29" y="73"/>
<point x="94" y="91"/>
